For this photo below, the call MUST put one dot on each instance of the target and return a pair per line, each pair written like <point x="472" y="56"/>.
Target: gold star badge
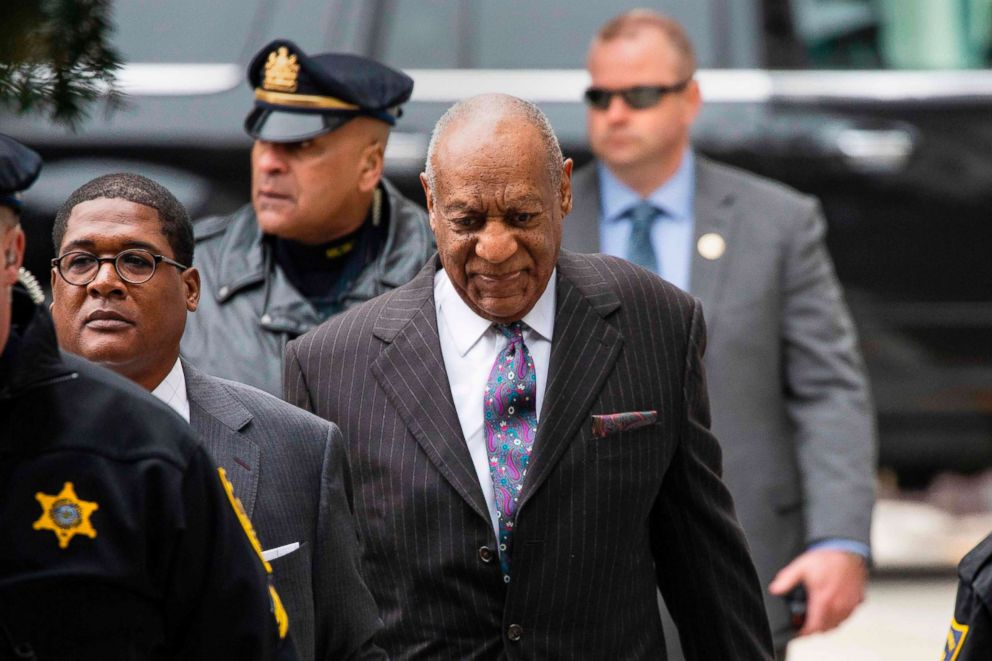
<point x="65" y="515"/>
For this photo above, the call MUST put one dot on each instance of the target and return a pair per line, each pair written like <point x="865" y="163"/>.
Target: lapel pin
<point x="711" y="246"/>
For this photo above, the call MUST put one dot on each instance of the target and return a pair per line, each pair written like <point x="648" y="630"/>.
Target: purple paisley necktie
<point x="511" y="425"/>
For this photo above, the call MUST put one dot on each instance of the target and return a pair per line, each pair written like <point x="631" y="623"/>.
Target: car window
<point x="155" y="31"/>
<point x="893" y="34"/>
<point x="546" y="34"/>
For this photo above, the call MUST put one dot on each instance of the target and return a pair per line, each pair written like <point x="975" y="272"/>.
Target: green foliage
<point x="55" y="58"/>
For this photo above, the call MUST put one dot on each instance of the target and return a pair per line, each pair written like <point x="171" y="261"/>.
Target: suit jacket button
<point x="486" y="554"/>
<point x="514" y="632"/>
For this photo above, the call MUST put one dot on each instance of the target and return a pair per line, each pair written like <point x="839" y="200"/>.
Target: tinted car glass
<point x="151" y="31"/>
<point x="543" y="34"/>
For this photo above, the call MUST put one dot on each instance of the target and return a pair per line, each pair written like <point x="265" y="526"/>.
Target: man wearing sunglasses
<point x="121" y="289"/>
<point x="788" y="389"/>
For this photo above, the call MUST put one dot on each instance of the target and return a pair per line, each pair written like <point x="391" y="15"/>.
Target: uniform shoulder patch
<point x="955" y="640"/>
<point x="278" y="610"/>
<point x="66" y="515"/>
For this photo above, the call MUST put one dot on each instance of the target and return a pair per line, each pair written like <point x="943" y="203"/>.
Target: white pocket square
<point x="279" y="551"/>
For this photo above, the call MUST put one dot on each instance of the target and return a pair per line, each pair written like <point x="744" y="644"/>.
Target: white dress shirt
<point x="469" y="346"/>
<point x="172" y="390"/>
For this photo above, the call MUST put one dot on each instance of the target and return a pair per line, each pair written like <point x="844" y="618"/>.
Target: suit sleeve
<point x="221" y="600"/>
<point x="704" y="567"/>
<point x="826" y="390"/>
<point x="345" y="612"/>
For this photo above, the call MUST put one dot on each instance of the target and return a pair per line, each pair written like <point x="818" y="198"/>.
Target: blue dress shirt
<point x="672" y="239"/>
<point x="672" y="232"/>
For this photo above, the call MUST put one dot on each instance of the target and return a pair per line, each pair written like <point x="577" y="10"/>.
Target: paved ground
<point x="903" y="619"/>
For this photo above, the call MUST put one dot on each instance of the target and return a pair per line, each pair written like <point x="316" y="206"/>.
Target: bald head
<point x="497" y="191"/>
<point x="496" y="112"/>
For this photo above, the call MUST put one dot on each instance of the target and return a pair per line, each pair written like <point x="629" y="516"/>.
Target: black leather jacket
<point x="248" y="308"/>
<point x="118" y="539"/>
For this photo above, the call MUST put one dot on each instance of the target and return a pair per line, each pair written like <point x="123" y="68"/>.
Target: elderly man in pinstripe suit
<point x="528" y="429"/>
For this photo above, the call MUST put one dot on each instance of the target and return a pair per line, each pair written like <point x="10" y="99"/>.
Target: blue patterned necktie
<point x="511" y="425"/>
<point x="640" y="251"/>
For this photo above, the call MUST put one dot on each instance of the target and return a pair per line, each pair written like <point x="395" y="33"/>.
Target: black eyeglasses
<point x="638" y="98"/>
<point x="135" y="266"/>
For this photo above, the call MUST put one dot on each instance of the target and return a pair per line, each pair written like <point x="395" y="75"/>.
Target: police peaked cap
<point x="19" y="167"/>
<point x="298" y="96"/>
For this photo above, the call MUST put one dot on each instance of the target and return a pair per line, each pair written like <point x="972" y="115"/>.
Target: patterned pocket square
<point x="611" y="423"/>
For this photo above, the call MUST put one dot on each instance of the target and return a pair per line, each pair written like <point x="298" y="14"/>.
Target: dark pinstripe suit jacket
<point x="290" y="472"/>
<point x="601" y="521"/>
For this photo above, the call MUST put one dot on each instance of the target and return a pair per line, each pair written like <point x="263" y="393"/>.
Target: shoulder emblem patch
<point x="955" y="641"/>
<point x="278" y="611"/>
<point x="66" y="515"/>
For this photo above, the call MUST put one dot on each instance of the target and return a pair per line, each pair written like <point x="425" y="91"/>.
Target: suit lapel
<point x="411" y="372"/>
<point x="219" y="419"/>
<point x="584" y="348"/>
<point x="582" y="224"/>
<point x="713" y="213"/>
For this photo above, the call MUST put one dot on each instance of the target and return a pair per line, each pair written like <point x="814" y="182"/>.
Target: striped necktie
<point x="640" y="251"/>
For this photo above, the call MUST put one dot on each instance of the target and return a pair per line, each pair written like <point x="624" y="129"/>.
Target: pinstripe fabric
<point x="596" y="515"/>
<point x="290" y="472"/>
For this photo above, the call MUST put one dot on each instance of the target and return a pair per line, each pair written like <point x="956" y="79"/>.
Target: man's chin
<point x="105" y="352"/>
<point x="503" y="310"/>
<point x="273" y="221"/>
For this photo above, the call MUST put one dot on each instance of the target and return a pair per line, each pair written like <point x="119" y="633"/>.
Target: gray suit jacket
<point x="602" y="518"/>
<point x="290" y="471"/>
<point x="789" y="394"/>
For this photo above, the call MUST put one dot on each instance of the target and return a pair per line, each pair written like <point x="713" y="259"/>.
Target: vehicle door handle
<point x="876" y="150"/>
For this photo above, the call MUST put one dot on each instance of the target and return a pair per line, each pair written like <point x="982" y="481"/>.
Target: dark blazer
<point x="290" y="471"/>
<point x="788" y="388"/>
<point x="602" y="520"/>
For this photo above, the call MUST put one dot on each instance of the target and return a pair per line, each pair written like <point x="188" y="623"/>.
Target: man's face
<point x="133" y="329"/>
<point x="311" y="191"/>
<point x="625" y="138"/>
<point x="496" y="216"/>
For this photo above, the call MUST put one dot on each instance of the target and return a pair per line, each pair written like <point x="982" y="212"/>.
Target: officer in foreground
<point x="324" y="230"/>
<point x="121" y="540"/>
<point x="969" y="637"/>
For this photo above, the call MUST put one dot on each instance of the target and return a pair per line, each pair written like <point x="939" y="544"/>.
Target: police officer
<point x="969" y="637"/>
<point x="324" y="230"/>
<point x="120" y="538"/>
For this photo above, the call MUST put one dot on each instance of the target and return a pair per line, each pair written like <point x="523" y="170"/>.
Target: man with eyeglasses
<point x="120" y="539"/>
<point x="121" y="289"/>
<point x="787" y="384"/>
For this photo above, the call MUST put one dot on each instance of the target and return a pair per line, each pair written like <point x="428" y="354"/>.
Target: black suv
<point x="882" y="109"/>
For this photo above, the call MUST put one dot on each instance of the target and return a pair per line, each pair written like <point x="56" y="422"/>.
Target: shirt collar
<point x="674" y="196"/>
<point x="172" y="390"/>
<point x="470" y="327"/>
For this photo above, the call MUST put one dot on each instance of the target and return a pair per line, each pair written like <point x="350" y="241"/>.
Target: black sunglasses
<point x="638" y="98"/>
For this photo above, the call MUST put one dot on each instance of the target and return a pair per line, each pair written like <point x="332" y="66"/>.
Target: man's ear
<point x="566" y="188"/>
<point x="191" y="283"/>
<point x="429" y="197"/>
<point x="371" y="163"/>
<point x="12" y="251"/>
